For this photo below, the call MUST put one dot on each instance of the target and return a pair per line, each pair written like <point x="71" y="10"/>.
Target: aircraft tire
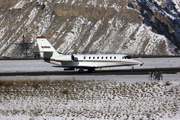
<point x="81" y="70"/>
<point x="90" y="70"/>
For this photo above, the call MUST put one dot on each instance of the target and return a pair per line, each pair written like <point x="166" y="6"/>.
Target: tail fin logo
<point x="45" y="47"/>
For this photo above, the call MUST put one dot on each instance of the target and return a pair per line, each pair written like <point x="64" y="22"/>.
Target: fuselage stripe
<point x="86" y="61"/>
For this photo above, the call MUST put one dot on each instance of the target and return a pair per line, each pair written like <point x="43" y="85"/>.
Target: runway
<point x="41" y="68"/>
<point x="97" y="72"/>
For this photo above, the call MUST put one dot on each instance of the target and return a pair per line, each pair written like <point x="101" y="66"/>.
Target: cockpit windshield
<point x="126" y="57"/>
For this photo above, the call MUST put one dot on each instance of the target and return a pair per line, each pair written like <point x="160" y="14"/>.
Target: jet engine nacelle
<point x="65" y="58"/>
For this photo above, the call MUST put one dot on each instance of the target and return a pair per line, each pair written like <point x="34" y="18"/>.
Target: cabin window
<point x="114" y="57"/>
<point x="93" y="57"/>
<point x="97" y="57"/>
<point x="106" y="57"/>
<point x="102" y="58"/>
<point x="89" y="57"/>
<point x="84" y="57"/>
<point x="110" y="57"/>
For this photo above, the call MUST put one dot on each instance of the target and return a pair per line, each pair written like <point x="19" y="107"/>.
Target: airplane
<point x="83" y="61"/>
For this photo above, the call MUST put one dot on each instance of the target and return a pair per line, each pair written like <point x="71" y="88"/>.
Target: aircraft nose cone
<point x="141" y="64"/>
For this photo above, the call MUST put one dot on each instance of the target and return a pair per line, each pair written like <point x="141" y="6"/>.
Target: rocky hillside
<point x="146" y="27"/>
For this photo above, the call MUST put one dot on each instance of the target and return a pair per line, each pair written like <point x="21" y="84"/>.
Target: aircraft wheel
<point x="90" y="70"/>
<point x="81" y="70"/>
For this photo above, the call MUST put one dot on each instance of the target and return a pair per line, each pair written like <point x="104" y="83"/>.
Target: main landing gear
<point x="81" y="70"/>
<point x="90" y="70"/>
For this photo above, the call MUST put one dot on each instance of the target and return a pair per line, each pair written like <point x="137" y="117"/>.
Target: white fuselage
<point x="90" y="62"/>
<point x="94" y="60"/>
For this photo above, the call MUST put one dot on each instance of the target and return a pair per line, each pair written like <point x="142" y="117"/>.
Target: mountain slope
<point x="148" y="27"/>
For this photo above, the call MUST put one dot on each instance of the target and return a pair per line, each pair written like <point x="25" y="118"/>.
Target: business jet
<point x="83" y="61"/>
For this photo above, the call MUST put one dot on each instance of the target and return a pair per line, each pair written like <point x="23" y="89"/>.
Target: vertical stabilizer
<point x="45" y="48"/>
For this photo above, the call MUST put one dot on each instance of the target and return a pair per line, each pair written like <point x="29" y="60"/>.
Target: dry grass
<point x="167" y="83"/>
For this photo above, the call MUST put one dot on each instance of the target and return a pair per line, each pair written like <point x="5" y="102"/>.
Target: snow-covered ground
<point x="90" y="100"/>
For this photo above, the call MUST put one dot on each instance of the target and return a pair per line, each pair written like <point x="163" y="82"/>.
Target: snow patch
<point x="72" y="36"/>
<point x="3" y="31"/>
<point x="73" y="2"/>
<point x="19" y="18"/>
<point x="59" y="2"/>
<point x="116" y="7"/>
<point x="63" y="1"/>
<point x="177" y="4"/>
<point x="20" y="4"/>
<point x="93" y="2"/>
<point x="31" y="16"/>
<point x="92" y="33"/>
<point x="105" y="3"/>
